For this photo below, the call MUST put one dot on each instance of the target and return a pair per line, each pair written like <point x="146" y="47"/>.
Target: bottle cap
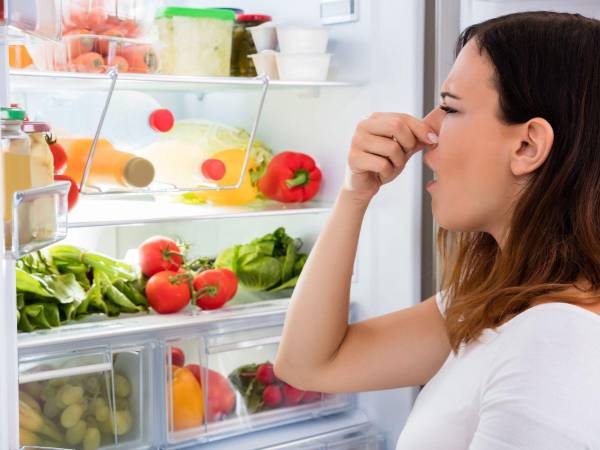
<point x="139" y="172"/>
<point x="161" y="120"/>
<point x="213" y="169"/>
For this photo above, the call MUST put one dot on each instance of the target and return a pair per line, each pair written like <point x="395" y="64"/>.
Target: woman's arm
<point x="319" y="350"/>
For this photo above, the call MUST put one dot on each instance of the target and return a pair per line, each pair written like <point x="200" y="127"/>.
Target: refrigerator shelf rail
<point x="31" y="80"/>
<point x="39" y="218"/>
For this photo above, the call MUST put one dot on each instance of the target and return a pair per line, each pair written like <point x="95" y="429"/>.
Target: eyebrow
<point x="448" y="94"/>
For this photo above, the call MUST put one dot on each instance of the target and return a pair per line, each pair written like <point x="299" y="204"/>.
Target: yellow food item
<point x="188" y="401"/>
<point x="27" y="437"/>
<point x="246" y="193"/>
<point x="91" y="439"/>
<point x="30" y="420"/>
<point x="30" y="401"/>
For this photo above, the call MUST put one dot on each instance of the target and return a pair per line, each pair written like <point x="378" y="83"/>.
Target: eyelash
<point x="447" y="109"/>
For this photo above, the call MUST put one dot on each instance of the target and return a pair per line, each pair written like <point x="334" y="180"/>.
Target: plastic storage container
<point x="227" y="387"/>
<point x="84" y="399"/>
<point x="79" y="52"/>
<point x="243" y="44"/>
<point x="128" y="18"/>
<point x="195" y="41"/>
<point x="303" y="67"/>
<point x="294" y="39"/>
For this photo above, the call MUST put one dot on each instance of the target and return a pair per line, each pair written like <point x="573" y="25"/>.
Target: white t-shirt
<point x="534" y="384"/>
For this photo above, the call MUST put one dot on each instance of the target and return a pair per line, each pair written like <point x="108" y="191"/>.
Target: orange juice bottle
<point x="109" y="166"/>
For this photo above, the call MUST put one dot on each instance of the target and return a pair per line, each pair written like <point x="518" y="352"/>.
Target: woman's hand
<point x="381" y="146"/>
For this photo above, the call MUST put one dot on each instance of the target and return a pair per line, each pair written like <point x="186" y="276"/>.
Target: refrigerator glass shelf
<point x="27" y="80"/>
<point x="93" y="212"/>
<point x="100" y="327"/>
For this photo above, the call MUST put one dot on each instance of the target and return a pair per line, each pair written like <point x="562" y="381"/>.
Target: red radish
<point x="212" y="289"/>
<point x="292" y="395"/>
<point x="73" y="195"/>
<point x="265" y="374"/>
<point x="168" y="291"/>
<point x="59" y="155"/>
<point x="177" y="356"/>
<point x="272" y="396"/>
<point x="213" y="169"/>
<point x="159" y="253"/>
<point x="311" y="396"/>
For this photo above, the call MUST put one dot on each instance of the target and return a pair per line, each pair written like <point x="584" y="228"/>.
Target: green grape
<point x="74" y="435"/>
<point x="56" y="382"/>
<point x="71" y="415"/>
<point x="91" y="439"/>
<point x="91" y="422"/>
<point x="51" y="409"/>
<point x="92" y="384"/>
<point x="122" y="403"/>
<point x="34" y="389"/>
<point x="48" y="392"/>
<point x="124" y="422"/>
<point x="102" y="413"/>
<point x="106" y="426"/>
<point x="70" y="395"/>
<point x="122" y="386"/>
<point x="96" y="403"/>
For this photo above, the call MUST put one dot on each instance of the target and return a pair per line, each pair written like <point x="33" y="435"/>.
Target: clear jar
<point x="195" y="41"/>
<point x="243" y="44"/>
<point x="42" y="220"/>
<point x="16" y="159"/>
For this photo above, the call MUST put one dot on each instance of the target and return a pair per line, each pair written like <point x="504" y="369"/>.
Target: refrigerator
<point x="387" y="56"/>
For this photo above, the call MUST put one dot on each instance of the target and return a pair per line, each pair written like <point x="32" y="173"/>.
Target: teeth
<point x="435" y="176"/>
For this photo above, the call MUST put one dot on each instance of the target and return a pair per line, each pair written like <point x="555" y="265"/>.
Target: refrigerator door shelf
<point x="233" y="367"/>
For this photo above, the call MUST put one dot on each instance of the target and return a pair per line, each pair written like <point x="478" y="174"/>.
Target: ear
<point x="536" y="141"/>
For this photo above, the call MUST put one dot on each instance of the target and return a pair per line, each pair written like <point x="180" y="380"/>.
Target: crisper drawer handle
<point x="244" y="344"/>
<point x="68" y="372"/>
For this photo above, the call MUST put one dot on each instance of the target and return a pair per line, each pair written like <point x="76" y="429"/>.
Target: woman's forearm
<point x="317" y="318"/>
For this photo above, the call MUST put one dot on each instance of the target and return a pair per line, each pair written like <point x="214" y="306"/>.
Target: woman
<point x="509" y="352"/>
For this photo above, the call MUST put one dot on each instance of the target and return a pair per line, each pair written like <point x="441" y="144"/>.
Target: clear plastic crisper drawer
<point x="85" y="400"/>
<point x="237" y="386"/>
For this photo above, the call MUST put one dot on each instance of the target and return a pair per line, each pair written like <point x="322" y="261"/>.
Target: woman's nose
<point x="434" y="119"/>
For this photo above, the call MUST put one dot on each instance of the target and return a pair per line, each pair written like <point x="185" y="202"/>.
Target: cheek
<point x="472" y="175"/>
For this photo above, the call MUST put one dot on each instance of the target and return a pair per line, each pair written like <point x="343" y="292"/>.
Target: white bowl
<point x="264" y="37"/>
<point x="266" y="64"/>
<point x="293" y="39"/>
<point x="303" y="67"/>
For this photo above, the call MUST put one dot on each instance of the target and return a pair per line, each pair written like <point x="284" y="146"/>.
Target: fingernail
<point x="433" y="138"/>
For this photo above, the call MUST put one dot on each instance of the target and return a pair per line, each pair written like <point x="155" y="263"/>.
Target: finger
<point x="360" y="162"/>
<point x="382" y="146"/>
<point x="393" y="125"/>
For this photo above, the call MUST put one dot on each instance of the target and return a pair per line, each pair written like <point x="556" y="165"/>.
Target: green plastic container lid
<point x="12" y="113"/>
<point x="207" y="13"/>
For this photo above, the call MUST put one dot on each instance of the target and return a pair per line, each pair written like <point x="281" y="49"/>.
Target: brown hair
<point x="546" y="65"/>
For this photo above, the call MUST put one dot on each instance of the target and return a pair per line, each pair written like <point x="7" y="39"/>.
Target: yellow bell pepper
<point x="187" y="398"/>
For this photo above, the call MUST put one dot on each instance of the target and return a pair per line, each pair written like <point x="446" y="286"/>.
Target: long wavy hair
<point x="546" y="65"/>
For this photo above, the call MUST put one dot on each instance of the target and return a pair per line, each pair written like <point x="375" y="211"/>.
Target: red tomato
<point x="177" y="356"/>
<point x="58" y="154"/>
<point x="212" y="289"/>
<point x="73" y="196"/>
<point x="168" y="291"/>
<point x="159" y="253"/>
<point x="221" y="398"/>
<point x="230" y="281"/>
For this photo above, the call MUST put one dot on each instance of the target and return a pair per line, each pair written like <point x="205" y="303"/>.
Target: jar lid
<point x="209" y="13"/>
<point x="12" y="113"/>
<point x="253" y="18"/>
<point x="35" y="127"/>
<point x="235" y="10"/>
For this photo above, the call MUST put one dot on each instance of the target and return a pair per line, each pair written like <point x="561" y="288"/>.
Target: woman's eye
<point x="447" y="109"/>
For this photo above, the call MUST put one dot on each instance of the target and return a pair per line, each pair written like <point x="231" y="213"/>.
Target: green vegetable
<point x="269" y="263"/>
<point x="111" y="267"/>
<point x="244" y="380"/>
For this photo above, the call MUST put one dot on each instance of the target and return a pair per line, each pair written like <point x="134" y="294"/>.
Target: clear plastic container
<point x="85" y="399"/>
<point x="243" y="44"/>
<point x="93" y="54"/>
<point x="128" y="18"/>
<point x="240" y="392"/>
<point x="195" y="41"/>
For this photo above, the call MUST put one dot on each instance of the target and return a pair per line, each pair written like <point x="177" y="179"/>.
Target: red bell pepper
<point x="291" y="177"/>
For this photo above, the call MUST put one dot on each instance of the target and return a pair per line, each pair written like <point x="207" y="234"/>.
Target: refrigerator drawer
<point x="85" y="398"/>
<point x="238" y="392"/>
<point x="360" y="437"/>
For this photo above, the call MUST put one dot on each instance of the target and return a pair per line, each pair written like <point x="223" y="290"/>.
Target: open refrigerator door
<point x="99" y="365"/>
